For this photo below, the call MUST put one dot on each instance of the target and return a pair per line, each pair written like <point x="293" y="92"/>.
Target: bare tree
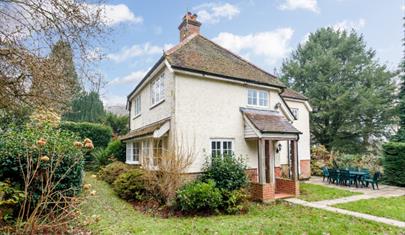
<point x="28" y="31"/>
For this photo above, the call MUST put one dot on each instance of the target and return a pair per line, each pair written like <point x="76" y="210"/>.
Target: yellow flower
<point x="78" y="144"/>
<point x="44" y="158"/>
<point x="41" y="142"/>
<point x="93" y="193"/>
<point x="87" y="140"/>
<point x="89" y="145"/>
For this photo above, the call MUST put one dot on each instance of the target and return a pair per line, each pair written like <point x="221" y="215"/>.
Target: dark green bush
<point x="110" y="172"/>
<point x="131" y="186"/>
<point x="228" y="172"/>
<point x="199" y="196"/>
<point x="116" y="149"/>
<point x="10" y="198"/>
<point x="234" y="202"/>
<point x="99" y="134"/>
<point x="394" y="163"/>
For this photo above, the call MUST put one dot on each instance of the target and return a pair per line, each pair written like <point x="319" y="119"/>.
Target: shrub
<point x="110" y="172"/>
<point x="10" y="198"/>
<point x="131" y="186"/>
<point x="199" y="196"/>
<point x="228" y="172"/>
<point x="47" y="165"/>
<point x="234" y="202"/>
<point x="320" y="157"/>
<point x="394" y="163"/>
<point x="99" y="134"/>
<point x="116" y="149"/>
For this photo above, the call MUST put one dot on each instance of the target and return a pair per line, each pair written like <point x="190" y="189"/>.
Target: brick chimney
<point x="189" y="26"/>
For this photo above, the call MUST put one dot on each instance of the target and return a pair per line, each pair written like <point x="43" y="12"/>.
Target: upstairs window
<point x="258" y="98"/>
<point x="158" y="89"/>
<point x="221" y="147"/>
<point x="137" y="105"/>
<point x="295" y="112"/>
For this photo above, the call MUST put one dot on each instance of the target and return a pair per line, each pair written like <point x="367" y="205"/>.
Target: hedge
<point x="98" y="133"/>
<point x="394" y="163"/>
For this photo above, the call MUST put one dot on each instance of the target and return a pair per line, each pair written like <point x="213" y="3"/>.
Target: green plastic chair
<point x="325" y="174"/>
<point x="373" y="181"/>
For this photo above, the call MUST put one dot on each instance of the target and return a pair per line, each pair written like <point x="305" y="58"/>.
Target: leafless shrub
<point x="167" y="173"/>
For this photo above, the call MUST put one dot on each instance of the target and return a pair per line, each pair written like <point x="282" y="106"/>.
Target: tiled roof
<point x="268" y="121"/>
<point x="290" y="93"/>
<point x="197" y="53"/>
<point x="145" y="130"/>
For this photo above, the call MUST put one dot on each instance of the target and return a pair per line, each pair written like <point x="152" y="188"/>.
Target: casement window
<point x="137" y="105"/>
<point x="295" y="112"/>
<point x="157" y="151"/>
<point x="220" y="147"/>
<point x="158" y="90"/>
<point x="258" y="98"/>
<point x="133" y="152"/>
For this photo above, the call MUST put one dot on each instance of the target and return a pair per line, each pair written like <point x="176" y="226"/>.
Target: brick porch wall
<point x="287" y="186"/>
<point x="252" y="175"/>
<point x="261" y="192"/>
<point x="305" y="167"/>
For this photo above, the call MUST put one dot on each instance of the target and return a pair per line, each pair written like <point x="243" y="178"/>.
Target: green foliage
<point x="110" y="172"/>
<point x="88" y="107"/>
<point x="119" y="124"/>
<point x="199" y="196"/>
<point x="10" y="197"/>
<point x="234" y="202"/>
<point x="228" y="172"/>
<point x="117" y="150"/>
<point x="351" y="94"/>
<point x="394" y="163"/>
<point x="131" y="186"/>
<point x="98" y="133"/>
<point x="19" y="150"/>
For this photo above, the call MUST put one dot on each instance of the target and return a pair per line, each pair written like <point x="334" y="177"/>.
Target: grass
<point x="118" y="217"/>
<point x="314" y="192"/>
<point x="392" y="207"/>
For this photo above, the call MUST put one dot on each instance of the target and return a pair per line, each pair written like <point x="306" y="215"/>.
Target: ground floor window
<point x="145" y="151"/>
<point x="221" y="147"/>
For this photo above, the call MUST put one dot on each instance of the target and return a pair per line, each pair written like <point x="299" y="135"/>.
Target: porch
<point x="269" y="129"/>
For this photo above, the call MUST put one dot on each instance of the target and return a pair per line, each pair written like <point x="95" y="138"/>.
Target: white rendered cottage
<point x="220" y="103"/>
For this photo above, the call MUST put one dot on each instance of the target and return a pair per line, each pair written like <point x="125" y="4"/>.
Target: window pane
<point x="263" y="98"/>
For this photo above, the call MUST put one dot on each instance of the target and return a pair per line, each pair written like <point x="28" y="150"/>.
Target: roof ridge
<point x="239" y="57"/>
<point x="181" y="44"/>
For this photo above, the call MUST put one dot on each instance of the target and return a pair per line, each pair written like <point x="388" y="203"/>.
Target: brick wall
<point x="261" y="192"/>
<point x="305" y="167"/>
<point x="252" y="175"/>
<point x="287" y="186"/>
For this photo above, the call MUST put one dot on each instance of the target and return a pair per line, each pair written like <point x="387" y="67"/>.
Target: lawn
<point x="314" y="192"/>
<point x="118" y="217"/>
<point x="393" y="207"/>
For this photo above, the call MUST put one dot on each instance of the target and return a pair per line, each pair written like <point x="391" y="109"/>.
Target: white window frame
<point x="157" y="90"/>
<point x="137" y="106"/>
<point x="295" y="112"/>
<point x="258" y="98"/>
<point x="221" y="146"/>
<point x="130" y="156"/>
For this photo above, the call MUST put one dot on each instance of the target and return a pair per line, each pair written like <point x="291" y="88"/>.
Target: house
<point x="219" y="103"/>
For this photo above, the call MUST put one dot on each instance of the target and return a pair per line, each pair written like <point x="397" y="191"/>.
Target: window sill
<point x="132" y="162"/>
<point x="156" y="104"/>
<point x="258" y="107"/>
<point x="136" y="116"/>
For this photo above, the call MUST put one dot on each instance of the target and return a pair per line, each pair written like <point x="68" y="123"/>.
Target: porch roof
<point x="155" y="129"/>
<point x="268" y="121"/>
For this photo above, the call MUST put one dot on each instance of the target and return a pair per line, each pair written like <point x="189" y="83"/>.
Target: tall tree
<point x="352" y="95"/>
<point x="28" y="30"/>
<point x="400" y="136"/>
<point x="87" y="107"/>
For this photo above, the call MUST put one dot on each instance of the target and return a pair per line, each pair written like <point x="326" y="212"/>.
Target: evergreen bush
<point x="394" y="163"/>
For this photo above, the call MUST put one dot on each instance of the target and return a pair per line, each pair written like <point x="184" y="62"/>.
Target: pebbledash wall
<point x="202" y="109"/>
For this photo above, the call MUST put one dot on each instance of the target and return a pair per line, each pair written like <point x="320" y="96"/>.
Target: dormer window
<point x="258" y="98"/>
<point x="158" y="90"/>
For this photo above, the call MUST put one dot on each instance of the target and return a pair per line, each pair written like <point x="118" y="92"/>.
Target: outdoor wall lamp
<point x="278" y="149"/>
